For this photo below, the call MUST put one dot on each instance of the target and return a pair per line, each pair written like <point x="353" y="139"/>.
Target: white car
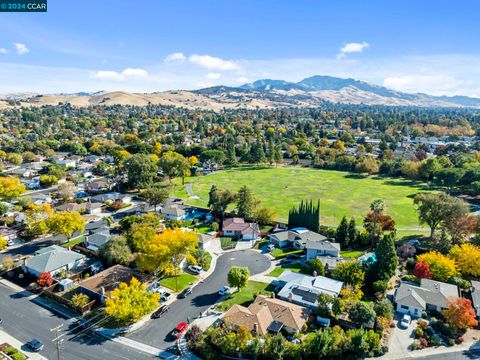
<point x="195" y="269"/>
<point x="405" y="322"/>
<point x="10" y="243"/>
<point x="225" y="291"/>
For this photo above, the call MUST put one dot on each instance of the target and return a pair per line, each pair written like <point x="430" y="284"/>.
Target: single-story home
<point x="96" y="240"/>
<point x="93" y="226"/>
<point x="8" y="233"/>
<point x="72" y="207"/>
<point x="430" y="295"/>
<point x="53" y="259"/>
<point x="304" y="289"/>
<point x="174" y="212"/>
<point x="238" y="228"/>
<point x="268" y="314"/>
<point x="94" y="208"/>
<point x="321" y="248"/>
<point x="476" y="296"/>
<point x="101" y="285"/>
<point x="99" y="185"/>
<point x="296" y="238"/>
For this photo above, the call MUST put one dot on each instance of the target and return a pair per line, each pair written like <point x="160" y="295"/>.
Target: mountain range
<point x="266" y="93"/>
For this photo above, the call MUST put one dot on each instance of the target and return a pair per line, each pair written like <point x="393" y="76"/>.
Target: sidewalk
<point x="432" y="351"/>
<point x="6" y="338"/>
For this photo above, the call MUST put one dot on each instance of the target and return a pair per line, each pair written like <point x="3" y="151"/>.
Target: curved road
<point x="155" y="333"/>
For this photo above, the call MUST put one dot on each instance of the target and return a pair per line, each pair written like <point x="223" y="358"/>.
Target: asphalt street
<point x="24" y="319"/>
<point x="155" y="332"/>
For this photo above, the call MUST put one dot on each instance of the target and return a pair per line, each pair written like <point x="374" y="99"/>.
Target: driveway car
<point x="405" y="322"/>
<point x="270" y="247"/>
<point x="195" y="269"/>
<point x="185" y="293"/>
<point x="179" y="330"/>
<point x="35" y="345"/>
<point x="162" y="310"/>
<point x="225" y="291"/>
<point x="165" y="296"/>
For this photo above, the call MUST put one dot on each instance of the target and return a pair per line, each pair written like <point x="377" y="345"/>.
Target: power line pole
<point x="58" y="340"/>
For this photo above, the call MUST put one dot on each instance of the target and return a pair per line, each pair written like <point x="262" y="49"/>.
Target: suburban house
<point x="204" y="241"/>
<point x="238" y="228"/>
<point x="296" y="238"/>
<point x="112" y="197"/>
<point x="174" y="212"/>
<point x="94" y="208"/>
<point x="268" y="314"/>
<point x="72" y="207"/>
<point x="101" y="285"/>
<point x="304" y="289"/>
<point x="476" y="296"/>
<point x="8" y="233"/>
<point x="96" y="240"/>
<point x="99" y="185"/>
<point x="53" y="259"/>
<point x="430" y="295"/>
<point x="94" y="226"/>
<point x="321" y="248"/>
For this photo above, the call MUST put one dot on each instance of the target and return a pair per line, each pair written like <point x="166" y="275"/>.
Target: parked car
<point x="179" y="330"/>
<point x="35" y="345"/>
<point x="405" y="322"/>
<point x="10" y="243"/>
<point x="195" y="269"/>
<point x="225" y="291"/>
<point x="159" y="312"/>
<point x="165" y="296"/>
<point x="185" y="293"/>
<point x="270" y="247"/>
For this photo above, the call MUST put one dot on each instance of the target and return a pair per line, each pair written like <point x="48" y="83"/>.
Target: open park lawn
<point x="184" y="280"/>
<point x="246" y="295"/>
<point x="340" y="193"/>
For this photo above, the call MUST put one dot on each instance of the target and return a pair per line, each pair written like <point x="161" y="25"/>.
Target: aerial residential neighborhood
<point x="259" y="180"/>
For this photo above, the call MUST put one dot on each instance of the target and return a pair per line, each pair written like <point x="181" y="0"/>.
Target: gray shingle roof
<point x="52" y="258"/>
<point x="430" y="292"/>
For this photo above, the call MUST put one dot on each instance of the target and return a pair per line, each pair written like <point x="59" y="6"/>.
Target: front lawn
<point x="351" y="254"/>
<point x="227" y="243"/>
<point x="245" y="296"/>
<point x="278" y="253"/>
<point x="184" y="280"/>
<point x="203" y="228"/>
<point x="295" y="267"/>
<point x="259" y="245"/>
<point x="74" y="241"/>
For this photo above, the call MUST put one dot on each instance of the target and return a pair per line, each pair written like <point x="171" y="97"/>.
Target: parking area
<point x="401" y="339"/>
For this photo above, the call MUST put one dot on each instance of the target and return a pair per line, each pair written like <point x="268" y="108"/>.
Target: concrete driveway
<point x="401" y="339"/>
<point x="155" y="333"/>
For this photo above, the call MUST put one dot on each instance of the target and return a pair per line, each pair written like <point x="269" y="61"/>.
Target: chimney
<point x="315" y="273"/>
<point x="255" y="328"/>
<point x="290" y="297"/>
<point x="102" y="291"/>
<point x="272" y="295"/>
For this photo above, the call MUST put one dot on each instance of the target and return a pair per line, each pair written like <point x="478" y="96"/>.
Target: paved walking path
<point x="7" y="338"/>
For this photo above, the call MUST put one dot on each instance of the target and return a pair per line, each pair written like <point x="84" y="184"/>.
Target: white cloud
<point x="242" y="79"/>
<point x="21" y="48"/>
<point x="114" y="75"/>
<point x="213" y="76"/>
<point x="175" y="57"/>
<point x="352" y="48"/>
<point x="423" y="83"/>
<point x="212" y="62"/>
<point x="3" y="51"/>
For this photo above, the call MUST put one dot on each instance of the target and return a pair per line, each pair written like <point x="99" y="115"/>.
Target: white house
<point x="96" y="240"/>
<point x="238" y="228"/>
<point x="296" y="238"/>
<point x="430" y="295"/>
<point x="204" y="241"/>
<point x="173" y="212"/>
<point x="476" y="296"/>
<point x="321" y="248"/>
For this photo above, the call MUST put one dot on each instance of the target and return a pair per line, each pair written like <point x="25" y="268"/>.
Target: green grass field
<point x="183" y="280"/>
<point x="245" y="296"/>
<point x="340" y="193"/>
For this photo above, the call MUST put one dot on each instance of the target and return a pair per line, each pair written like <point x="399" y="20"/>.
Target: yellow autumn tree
<point x="37" y="218"/>
<point x="442" y="267"/>
<point x="192" y="160"/>
<point x="166" y="250"/>
<point x="129" y="302"/>
<point x="66" y="223"/>
<point x="3" y="243"/>
<point x="10" y="188"/>
<point x="467" y="258"/>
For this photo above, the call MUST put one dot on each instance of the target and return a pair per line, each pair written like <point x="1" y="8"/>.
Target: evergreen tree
<point x="387" y="260"/>
<point x="341" y="235"/>
<point x="352" y="233"/>
<point x="231" y="155"/>
<point x="245" y="202"/>
<point x="257" y="154"/>
<point x="278" y="155"/>
<point x="271" y="151"/>
<point x="305" y="215"/>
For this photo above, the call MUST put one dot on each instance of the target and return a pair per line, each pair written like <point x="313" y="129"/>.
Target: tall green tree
<point x="141" y="170"/>
<point x="219" y="199"/>
<point x="174" y="165"/>
<point x="352" y="233"/>
<point x="387" y="259"/>
<point x="245" y="202"/>
<point x="238" y="276"/>
<point x="155" y="195"/>
<point x="341" y="234"/>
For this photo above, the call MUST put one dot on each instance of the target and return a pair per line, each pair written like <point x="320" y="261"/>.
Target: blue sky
<point x="153" y="45"/>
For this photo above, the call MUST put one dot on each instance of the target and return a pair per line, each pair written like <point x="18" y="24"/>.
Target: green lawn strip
<point x="351" y="254"/>
<point x="281" y="253"/>
<point x="340" y="193"/>
<point x="203" y="228"/>
<point x="75" y="241"/>
<point x="184" y="280"/>
<point x="279" y="270"/>
<point x="245" y="296"/>
<point x="227" y="243"/>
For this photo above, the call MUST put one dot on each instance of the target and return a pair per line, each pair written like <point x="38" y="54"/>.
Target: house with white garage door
<point x="429" y="295"/>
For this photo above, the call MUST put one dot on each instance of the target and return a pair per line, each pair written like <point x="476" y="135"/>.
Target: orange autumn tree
<point x="460" y="313"/>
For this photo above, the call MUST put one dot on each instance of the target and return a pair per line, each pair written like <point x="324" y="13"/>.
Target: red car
<point x="179" y="330"/>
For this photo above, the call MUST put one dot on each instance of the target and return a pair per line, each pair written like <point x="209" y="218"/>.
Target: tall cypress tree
<point x="305" y="215"/>
<point x="341" y="235"/>
<point x="352" y="233"/>
<point x="387" y="260"/>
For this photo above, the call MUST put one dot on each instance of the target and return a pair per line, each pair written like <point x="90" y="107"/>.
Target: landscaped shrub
<point x="424" y="342"/>
<point x="80" y="300"/>
<point x="416" y="345"/>
<point x="419" y="332"/>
